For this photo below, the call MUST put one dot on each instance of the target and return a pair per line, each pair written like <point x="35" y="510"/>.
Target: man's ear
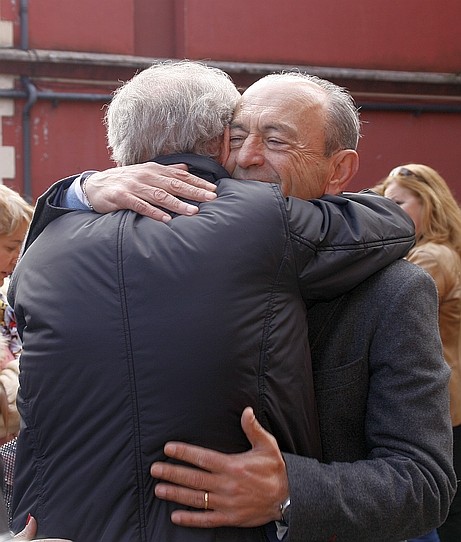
<point x="344" y="165"/>
<point x="225" y="146"/>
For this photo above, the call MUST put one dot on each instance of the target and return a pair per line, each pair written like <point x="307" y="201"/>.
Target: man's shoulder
<point x="76" y="231"/>
<point x="363" y="306"/>
<point x="393" y="275"/>
<point x="388" y="282"/>
<point x="392" y="284"/>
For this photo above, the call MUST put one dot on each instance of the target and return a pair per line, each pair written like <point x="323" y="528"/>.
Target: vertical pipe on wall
<point x="26" y="135"/>
<point x="24" y="24"/>
<point x="31" y="92"/>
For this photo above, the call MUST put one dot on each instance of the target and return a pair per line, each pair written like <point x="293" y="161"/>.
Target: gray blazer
<point x="381" y="387"/>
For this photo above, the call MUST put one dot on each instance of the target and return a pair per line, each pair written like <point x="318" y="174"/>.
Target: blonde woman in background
<point x="425" y="196"/>
<point x="15" y="216"/>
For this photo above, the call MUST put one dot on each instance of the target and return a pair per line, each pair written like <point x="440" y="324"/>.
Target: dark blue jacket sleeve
<point x="352" y="237"/>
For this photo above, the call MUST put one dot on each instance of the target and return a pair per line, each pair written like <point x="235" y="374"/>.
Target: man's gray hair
<point x="171" y="107"/>
<point x="342" y="123"/>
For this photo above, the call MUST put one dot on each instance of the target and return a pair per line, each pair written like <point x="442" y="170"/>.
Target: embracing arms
<point x="145" y="188"/>
<point x="396" y="481"/>
<point x="345" y="228"/>
<point x="352" y="237"/>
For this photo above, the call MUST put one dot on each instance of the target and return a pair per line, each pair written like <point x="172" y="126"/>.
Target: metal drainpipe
<point x="24" y="24"/>
<point x="31" y="91"/>
<point x="31" y="95"/>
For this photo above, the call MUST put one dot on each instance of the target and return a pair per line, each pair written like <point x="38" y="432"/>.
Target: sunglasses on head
<point x="405" y="172"/>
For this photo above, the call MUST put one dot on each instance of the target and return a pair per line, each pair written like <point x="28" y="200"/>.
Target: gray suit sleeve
<point x="402" y="483"/>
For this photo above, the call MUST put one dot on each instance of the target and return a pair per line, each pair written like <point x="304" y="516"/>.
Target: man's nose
<point x="250" y="153"/>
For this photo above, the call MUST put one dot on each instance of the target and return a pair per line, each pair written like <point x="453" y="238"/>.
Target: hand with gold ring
<point x="246" y="488"/>
<point x="148" y="188"/>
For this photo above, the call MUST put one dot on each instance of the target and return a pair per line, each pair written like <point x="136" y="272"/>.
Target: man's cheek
<point x="231" y="162"/>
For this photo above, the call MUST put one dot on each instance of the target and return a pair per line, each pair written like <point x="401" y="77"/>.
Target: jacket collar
<point x="202" y="166"/>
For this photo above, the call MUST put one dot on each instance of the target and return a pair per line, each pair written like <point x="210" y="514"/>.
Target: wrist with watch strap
<point x="83" y="179"/>
<point x="285" y="511"/>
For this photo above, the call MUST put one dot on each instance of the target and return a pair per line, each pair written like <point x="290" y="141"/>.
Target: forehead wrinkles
<point x="293" y="113"/>
<point x="265" y="120"/>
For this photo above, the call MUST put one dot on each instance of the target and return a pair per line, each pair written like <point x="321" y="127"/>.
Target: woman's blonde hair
<point x="441" y="214"/>
<point x="14" y="210"/>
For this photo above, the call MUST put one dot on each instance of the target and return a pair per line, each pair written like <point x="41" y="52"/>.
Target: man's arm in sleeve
<point x="406" y="482"/>
<point x="148" y="189"/>
<point x="339" y="241"/>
